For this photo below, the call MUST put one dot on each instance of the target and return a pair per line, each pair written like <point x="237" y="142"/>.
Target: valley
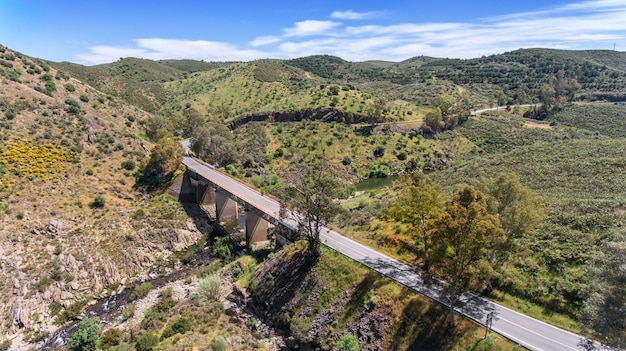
<point x="90" y="157"/>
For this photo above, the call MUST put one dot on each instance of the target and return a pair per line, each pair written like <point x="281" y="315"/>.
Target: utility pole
<point x="488" y="323"/>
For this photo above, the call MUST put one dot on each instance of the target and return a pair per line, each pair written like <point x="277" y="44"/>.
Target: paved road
<point x="477" y="112"/>
<point x="526" y="331"/>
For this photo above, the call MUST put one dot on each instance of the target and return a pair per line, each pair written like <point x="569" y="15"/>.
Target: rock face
<point x="324" y="115"/>
<point x="78" y="268"/>
<point x="286" y="290"/>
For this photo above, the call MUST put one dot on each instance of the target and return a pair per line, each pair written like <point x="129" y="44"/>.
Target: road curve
<point x="526" y="331"/>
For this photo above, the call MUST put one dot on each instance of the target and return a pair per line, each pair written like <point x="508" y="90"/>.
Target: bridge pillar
<point x="205" y="194"/>
<point x="256" y="228"/>
<point x="226" y="208"/>
<point x="187" y="189"/>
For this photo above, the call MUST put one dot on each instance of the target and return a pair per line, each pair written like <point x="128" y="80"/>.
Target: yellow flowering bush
<point x="24" y="159"/>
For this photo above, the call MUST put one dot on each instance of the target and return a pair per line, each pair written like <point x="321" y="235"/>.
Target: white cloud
<point x="266" y="40"/>
<point x="351" y="15"/>
<point x="310" y="27"/>
<point x="159" y="49"/>
<point x="581" y="25"/>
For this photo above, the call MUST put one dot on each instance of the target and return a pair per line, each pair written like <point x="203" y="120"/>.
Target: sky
<point x="92" y="32"/>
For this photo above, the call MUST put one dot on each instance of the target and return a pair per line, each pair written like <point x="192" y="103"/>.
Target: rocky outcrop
<point x="326" y="115"/>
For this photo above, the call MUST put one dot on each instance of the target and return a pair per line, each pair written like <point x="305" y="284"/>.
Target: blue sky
<point x="92" y="32"/>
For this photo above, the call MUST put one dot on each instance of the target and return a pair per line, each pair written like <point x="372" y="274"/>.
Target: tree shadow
<point x="357" y="302"/>
<point x="423" y="326"/>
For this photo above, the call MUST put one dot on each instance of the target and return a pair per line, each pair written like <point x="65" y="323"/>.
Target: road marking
<point x="534" y="332"/>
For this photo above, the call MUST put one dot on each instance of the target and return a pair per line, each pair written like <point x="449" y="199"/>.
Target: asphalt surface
<point x="526" y="331"/>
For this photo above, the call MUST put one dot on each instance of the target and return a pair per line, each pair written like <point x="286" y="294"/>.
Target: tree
<point x="165" y="158"/>
<point x="418" y="206"/>
<point x="85" y="338"/>
<point x="605" y="308"/>
<point x="214" y="142"/>
<point x="433" y="120"/>
<point x="311" y="191"/>
<point x="466" y="232"/>
<point x="500" y="97"/>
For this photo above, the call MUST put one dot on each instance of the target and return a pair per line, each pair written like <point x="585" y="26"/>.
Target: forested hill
<point x="417" y="81"/>
<point x="526" y="69"/>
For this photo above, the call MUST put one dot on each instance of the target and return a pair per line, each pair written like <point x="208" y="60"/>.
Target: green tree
<point x="165" y="158"/>
<point x="605" y="308"/>
<point x="445" y="103"/>
<point x="419" y="205"/>
<point x="500" y="97"/>
<point x="85" y="338"/>
<point x="311" y="191"/>
<point x="433" y="120"/>
<point x="214" y="142"/>
<point x="519" y="209"/>
<point x="466" y="233"/>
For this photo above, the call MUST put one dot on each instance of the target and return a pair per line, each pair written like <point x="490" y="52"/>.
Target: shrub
<point x="141" y="291"/>
<point x="212" y="287"/>
<point x="98" y="202"/>
<point x="146" y="342"/>
<point x="5" y="345"/>
<point x="128" y="165"/>
<point x="84" y="98"/>
<point x="85" y="338"/>
<point x="9" y="115"/>
<point x="70" y="87"/>
<point x="222" y="248"/>
<point x="218" y="344"/>
<point x="347" y="342"/>
<point x="346" y="161"/>
<point x="179" y="326"/>
<point x="379" y="151"/>
<point x="111" y="337"/>
<point x="129" y="312"/>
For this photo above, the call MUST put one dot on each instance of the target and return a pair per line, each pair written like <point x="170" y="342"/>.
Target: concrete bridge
<point x="204" y="185"/>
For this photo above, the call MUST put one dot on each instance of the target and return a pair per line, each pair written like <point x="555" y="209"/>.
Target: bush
<point x="212" y="288"/>
<point x="218" y="344"/>
<point x="141" y="291"/>
<point x="98" y="202"/>
<point x="129" y="312"/>
<point x="128" y="165"/>
<point x="347" y="342"/>
<point x="146" y="342"/>
<point x="85" y="338"/>
<point x="5" y="345"/>
<point x="179" y="326"/>
<point x="346" y="161"/>
<point x="111" y="337"/>
<point x="9" y="115"/>
<point x="70" y="87"/>
<point x="222" y="248"/>
<point x="84" y="98"/>
<point x="379" y="151"/>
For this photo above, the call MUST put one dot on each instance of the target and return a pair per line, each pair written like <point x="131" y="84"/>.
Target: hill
<point x="68" y="157"/>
